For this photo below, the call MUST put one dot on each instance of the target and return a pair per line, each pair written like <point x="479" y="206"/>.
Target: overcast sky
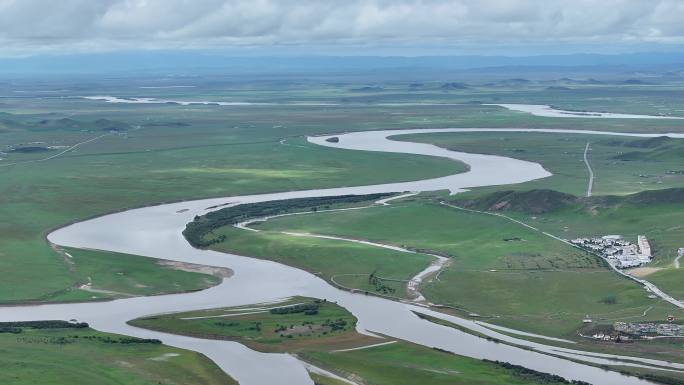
<point x="404" y="27"/>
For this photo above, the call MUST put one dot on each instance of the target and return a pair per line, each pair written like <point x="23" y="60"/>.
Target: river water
<point x="553" y="112"/>
<point x="156" y="232"/>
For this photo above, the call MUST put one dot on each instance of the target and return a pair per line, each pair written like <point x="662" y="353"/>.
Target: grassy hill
<point x="540" y="201"/>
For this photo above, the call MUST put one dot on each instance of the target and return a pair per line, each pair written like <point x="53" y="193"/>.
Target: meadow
<point x="502" y="271"/>
<point x="305" y="326"/>
<point x="660" y="222"/>
<point x="212" y="153"/>
<point x="621" y="165"/>
<point x="292" y="325"/>
<point x="406" y="364"/>
<point x="114" y="275"/>
<point x="147" y="154"/>
<point x="60" y="356"/>
<point x="339" y="262"/>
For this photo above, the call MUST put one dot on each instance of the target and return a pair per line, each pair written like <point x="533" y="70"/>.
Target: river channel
<point x="156" y="232"/>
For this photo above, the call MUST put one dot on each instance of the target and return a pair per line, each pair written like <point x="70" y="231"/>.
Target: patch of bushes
<point x="609" y="300"/>
<point x="196" y="231"/>
<point x="121" y="340"/>
<point x="50" y="324"/>
<point x="539" y="377"/>
<point x="338" y="324"/>
<point x="661" y="379"/>
<point x="30" y="149"/>
<point x="300" y="308"/>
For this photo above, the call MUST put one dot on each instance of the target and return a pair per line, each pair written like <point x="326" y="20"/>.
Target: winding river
<point x="156" y="232"/>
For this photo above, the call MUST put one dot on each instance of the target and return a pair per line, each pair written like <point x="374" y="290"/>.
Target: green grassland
<point x="169" y="152"/>
<point x="215" y="152"/>
<point x="346" y="263"/>
<point x="506" y="273"/>
<point x="621" y="165"/>
<point x="85" y="357"/>
<point x="425" y="224"/>
<point x="529" y="282"/>
<point x="304" y="324"/>
<point x="406" y="364"/>
<point x="283" y="327"/>
<point x="161" y="153"/>
<point x="662" y="222"/>
<point x="128" y="275"/>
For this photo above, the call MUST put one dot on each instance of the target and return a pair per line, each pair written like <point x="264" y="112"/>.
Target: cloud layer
<point x="31" y="26"/>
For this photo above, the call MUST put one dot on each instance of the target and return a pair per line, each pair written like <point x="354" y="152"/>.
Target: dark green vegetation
<point x="62" y="353"/>
<point x="315" y="329"/>
<point x="662" y="379"/>
<point x="294" y="325"/>
<point x="199" y="231"/>
<point x="540" y="377"/>
<point x="46" y="324"/>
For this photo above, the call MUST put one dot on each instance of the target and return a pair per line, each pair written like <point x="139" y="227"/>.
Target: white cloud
<point x="83" y="25"/>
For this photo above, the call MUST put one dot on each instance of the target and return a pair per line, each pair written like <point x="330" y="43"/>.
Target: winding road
<point x="156" y="232"/>
<point x="590" y="185"/>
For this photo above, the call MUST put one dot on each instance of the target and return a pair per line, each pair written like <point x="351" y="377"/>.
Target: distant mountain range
<point x="200" y="62"/>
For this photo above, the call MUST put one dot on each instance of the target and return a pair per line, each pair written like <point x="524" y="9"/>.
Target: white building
<point x="618" y="251"/>
<point x="644" y="246"/>
<point x="629" y="261"/>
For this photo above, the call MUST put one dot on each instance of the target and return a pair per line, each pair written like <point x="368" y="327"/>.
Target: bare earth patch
<point x="164" y="357"/>
<point x="222" y="272"/>
<point x="644" y="271"/>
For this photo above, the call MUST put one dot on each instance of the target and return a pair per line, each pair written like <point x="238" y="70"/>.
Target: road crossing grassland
<point x="590" y="184"/>
<point x="647" y="285"/>
<point x="620" y="165"/>
<point x="533" y="278"/>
